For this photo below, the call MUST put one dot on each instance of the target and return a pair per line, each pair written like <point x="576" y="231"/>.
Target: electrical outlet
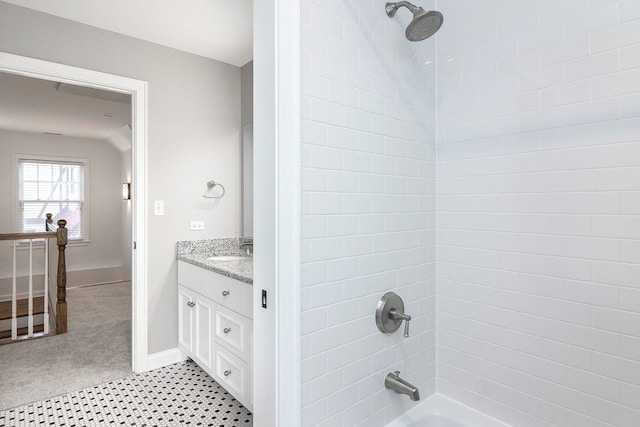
<point x="158" y="207"/>
<point x="197" y="225"/>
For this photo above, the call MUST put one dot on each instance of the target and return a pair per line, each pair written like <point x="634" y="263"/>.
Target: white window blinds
<point x="51" y="187"/>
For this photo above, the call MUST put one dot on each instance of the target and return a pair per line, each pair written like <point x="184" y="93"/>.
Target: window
<point x="55" y="187"/>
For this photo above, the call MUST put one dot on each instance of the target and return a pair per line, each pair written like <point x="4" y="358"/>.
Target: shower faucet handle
<point x="390" y="314"/>
<point x="401" y="316"/>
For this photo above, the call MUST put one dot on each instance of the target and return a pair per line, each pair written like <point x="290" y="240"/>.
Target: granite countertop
<point x="197" y="252"/>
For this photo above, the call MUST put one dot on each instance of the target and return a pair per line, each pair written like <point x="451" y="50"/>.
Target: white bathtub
<point x="440" y="411"/>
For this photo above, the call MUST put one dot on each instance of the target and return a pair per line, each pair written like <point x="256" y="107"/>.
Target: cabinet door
<point x="185" y="319"/>
<point x="203" y="337"/>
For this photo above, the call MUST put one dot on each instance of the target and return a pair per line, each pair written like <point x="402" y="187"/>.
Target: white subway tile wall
<point x="538" y="207"/>
<point x="534" y="155"/>
<point x="368" y="213"/>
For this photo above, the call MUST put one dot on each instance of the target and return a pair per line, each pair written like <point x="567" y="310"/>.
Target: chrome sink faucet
<point x="246" y="242"/>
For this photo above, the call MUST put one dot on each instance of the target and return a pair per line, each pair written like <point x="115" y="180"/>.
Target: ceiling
<point x="34" y="105"/>
<point x="216" y="29"/>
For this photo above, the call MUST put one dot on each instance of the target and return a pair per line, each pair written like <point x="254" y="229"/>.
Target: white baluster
<point x="30" y="318"/>
<point x="14" y="297"/>
<point x="46" y="286"/>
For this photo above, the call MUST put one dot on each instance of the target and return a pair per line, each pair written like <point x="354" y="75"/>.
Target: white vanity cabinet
<point x="215" y="327"/>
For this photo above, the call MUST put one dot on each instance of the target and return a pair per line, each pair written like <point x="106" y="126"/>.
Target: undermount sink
<point x="227" y="258"/>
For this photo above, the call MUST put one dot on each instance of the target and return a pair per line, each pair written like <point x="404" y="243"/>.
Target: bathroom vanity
<point x="215" y="326"/>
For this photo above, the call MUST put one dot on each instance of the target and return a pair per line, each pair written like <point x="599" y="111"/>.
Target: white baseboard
<point x="163" y="358"/>
<point x="96" y="276"/>
<point x="23" y="295"/>
<point x="75" y="279"/>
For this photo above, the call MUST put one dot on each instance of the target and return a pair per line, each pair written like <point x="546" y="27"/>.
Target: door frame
<point x="30" y="67"/>
<point x="277" y="338"/>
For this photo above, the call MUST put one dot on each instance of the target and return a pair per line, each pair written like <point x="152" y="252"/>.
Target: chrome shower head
<point x="423" y="25"/>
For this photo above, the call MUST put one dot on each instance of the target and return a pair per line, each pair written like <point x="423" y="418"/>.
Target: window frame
<point x="18" y="157"/>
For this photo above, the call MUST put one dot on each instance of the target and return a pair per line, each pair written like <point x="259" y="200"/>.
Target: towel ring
<point x="210" y="186"/>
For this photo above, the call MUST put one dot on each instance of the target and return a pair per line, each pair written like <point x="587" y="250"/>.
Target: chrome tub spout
<point x="393" y="382"/>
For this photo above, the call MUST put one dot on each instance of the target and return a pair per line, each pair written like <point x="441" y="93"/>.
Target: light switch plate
<point x="197" y="225"/>
<point x="158" y="207"/>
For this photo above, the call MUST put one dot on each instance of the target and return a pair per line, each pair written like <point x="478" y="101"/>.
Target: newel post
<point x="61" y="305"/>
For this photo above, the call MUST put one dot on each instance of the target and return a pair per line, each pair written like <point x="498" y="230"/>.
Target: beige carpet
<point x="96" y="348"/>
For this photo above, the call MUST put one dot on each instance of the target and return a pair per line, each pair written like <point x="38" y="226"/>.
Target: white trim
<point x="288" y="213"/>
<point x="277" y="213"/>
<point x="139" y="265"/>
<point x="46" y="70"/>
<point x="164" y="358"/>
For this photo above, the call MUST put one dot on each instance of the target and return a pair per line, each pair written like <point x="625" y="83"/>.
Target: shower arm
<point x="392" y="8"/>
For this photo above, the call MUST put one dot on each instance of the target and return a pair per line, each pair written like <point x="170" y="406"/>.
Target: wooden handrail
<point x="24" y="236"/>
<point x="61" y="240"/>
<point x="35" y="235"/>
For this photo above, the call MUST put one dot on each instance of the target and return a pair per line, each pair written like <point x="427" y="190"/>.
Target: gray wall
<point x="193" y="136"/>
<point x="247" y="147"/>
<point x="247" y="93"/>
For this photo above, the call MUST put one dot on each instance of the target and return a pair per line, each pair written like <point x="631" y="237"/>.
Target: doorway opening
<point x="137" y="91"/>
<point x="69" y="149"/>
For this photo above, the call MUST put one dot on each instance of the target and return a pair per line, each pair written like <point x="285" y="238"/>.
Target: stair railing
<point x="60" y="234"/>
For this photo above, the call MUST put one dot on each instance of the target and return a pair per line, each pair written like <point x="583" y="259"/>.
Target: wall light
<point x="126" y="191"/>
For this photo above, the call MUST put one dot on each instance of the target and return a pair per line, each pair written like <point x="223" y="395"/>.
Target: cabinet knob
<point x="225" y="293"/>
<point x="227" y="373"/>
<point x="226" y="330"/>
<point x="191" y="303"/>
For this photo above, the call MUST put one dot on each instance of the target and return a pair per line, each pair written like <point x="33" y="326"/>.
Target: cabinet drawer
<point x="231" y="293"/>
<point x="233" y="331"/>
<point x="234" y="375"/>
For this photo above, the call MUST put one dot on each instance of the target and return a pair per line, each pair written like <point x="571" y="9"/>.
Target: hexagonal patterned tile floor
<point x="176" y="395"/>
